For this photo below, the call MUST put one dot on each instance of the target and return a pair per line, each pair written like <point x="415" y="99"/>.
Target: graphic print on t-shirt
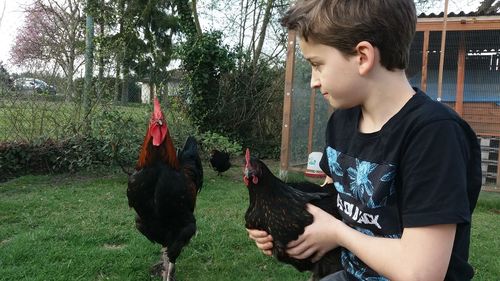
<point x="366" y="201"/>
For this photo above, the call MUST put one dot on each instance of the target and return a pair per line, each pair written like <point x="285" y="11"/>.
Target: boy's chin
<point x="340" y="105"/>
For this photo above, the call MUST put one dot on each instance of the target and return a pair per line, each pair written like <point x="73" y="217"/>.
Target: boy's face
<point x="336" y="76"/>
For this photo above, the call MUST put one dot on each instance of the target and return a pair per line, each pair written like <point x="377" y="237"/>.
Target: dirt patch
<point x="113" y="247"/>
<point x="4" y="241"/>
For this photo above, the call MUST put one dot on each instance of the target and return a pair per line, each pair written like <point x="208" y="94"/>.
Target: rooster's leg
<point x="168" y="267"/>
<point x="157" y="269"/>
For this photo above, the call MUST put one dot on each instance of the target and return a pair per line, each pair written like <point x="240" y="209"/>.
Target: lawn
<point x="79" y="227"/>
<point x="32" y="117"/>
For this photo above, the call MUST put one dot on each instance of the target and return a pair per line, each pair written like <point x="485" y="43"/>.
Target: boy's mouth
<point x="325" y="95"/>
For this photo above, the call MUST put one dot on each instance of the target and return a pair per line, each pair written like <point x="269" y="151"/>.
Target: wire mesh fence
<point x="306" y="103"/>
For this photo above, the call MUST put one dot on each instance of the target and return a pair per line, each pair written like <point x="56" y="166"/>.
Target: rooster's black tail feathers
<point x="190" y="157"/>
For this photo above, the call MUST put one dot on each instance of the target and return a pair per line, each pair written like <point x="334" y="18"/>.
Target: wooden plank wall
<point x="483" y="117"/>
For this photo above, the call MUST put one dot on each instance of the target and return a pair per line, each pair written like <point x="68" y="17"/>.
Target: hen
<point x="219" y="160"/>
<point x="279" y="208"/>
<point x="163" y="189"/>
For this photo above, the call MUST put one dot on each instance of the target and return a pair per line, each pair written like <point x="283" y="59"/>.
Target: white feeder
<point x="313" y="170"/>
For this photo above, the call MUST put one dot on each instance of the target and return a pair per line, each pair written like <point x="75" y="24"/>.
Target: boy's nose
<point x="315" y="83"/>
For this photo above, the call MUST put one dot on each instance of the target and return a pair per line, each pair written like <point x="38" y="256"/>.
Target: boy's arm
<point x="422" y="253"/>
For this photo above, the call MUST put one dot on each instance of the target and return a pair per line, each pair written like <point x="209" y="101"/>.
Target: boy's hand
<point x="318" y="238"/>
<point x="327" y="181"/>
<point x="262" y="239"/>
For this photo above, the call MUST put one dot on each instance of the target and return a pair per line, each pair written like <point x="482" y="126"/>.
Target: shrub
<point x="49" y="156"/>
<point x="211" y="141"/>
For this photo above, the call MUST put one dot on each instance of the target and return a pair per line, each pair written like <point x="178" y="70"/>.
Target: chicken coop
<point x="467" y="79"/>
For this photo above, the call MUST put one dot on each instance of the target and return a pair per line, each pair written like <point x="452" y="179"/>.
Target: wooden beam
<point x="459" y="24"/>
<point x="498" y="169"/>
<point x="425" y="59"/>
<point x="312" y="110"/>
<point x="459" y="99"/>
<point x="441" y="53"/>
<point x="287" y="104"/>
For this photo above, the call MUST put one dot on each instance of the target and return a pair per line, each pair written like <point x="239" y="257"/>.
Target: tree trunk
<point x="117" y="79"/>
<point x="89" y="66"/>
<point x="100" y="75"/>
<point x="195" y="17"/>
<point x="126" y="78"/>
<point x="262" y="35"/>
<point x="119" y="55"/>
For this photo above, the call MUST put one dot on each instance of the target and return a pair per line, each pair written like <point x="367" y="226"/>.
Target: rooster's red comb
<point x="157" y="108"/>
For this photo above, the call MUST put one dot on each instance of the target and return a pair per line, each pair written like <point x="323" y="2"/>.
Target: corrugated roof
<point x="460" y="14"/>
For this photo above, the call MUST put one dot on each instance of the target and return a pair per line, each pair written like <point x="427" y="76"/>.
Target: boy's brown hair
<point x="388" y="25"/>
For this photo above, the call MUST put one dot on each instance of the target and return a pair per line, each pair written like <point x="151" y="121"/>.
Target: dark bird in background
<point x="163" y="189"/>
<point x="219" y="160"/>
<point x="279" y="208"/>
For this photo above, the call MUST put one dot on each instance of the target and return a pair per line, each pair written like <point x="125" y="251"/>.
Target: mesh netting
<point x="481" y="80"/>
<point x="301" y="109"/>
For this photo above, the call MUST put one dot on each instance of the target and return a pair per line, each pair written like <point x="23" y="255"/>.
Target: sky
<point x="13" y="18"/>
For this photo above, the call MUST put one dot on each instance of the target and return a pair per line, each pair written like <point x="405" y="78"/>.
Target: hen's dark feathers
<point x="219" y="160"/>
<point x="280" y="209"/>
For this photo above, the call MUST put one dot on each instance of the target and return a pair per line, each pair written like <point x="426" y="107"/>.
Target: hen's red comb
<point x="247" y="157"/>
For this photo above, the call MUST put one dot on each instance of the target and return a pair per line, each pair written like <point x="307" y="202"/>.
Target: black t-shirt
<point x="422" y="168"/>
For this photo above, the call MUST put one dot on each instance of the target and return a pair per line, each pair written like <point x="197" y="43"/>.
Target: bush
<point x="211" y="141"/>
<point x="120" y="135"/>
<point x="114" y="137"/>
<point x="49" y="156"/>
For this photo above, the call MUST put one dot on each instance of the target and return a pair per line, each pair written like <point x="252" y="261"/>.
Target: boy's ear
<point x="366" y="56"/>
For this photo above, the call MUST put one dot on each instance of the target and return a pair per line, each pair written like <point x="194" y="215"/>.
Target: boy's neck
<point x="388" y="93"/>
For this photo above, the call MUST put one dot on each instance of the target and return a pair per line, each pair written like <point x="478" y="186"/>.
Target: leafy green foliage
<point x="205" y="61"/>
<point x="211" y="141"/>
<point x="48" y="156"/>
<point x="238" y="101"/>
<point x="121" y="136"/>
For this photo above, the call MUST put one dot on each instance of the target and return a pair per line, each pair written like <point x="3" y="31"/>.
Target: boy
<point x="407" y="169"/>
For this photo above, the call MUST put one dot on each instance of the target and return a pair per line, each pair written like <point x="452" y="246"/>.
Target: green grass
<point x="79" y="227"/>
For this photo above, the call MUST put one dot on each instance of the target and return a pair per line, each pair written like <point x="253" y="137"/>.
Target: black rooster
<point x="219" y="160"/>
<point x="163" y="190"/>
<point x="280" y="209"/>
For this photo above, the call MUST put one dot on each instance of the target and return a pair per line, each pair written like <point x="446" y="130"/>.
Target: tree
<point x="143" y="43"/>
<point x="156" y="26"/>
<point x="52" y="34"/>
<point x="489" y="6"/>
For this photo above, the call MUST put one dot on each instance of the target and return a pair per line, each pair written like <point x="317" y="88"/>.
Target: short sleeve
<point x="433" y="172"/>
<point x="323" y="163"/>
